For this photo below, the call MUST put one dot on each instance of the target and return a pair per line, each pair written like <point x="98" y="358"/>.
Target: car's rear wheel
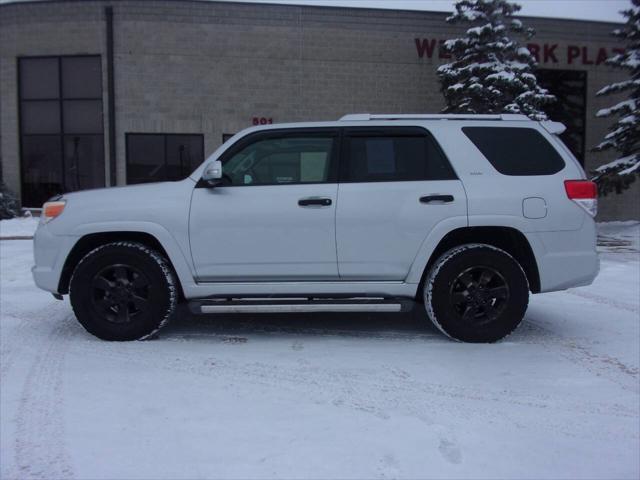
<point x="476" y="293"/>
<point x="123" y="291"/>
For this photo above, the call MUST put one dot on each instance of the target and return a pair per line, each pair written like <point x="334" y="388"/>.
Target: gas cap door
<point x="534" y="207"/>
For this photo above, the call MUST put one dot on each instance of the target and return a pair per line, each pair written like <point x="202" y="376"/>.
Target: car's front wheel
<point x="476" y="293"/>
<point x="123" y="291"/>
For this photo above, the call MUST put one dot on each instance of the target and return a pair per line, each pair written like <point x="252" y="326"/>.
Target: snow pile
<point x="491" y="73"/>
<point x="624" y="134"/>
<point x="18" y="227"/>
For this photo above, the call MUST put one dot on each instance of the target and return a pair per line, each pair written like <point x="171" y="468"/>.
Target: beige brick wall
<point x="195" y="67"/>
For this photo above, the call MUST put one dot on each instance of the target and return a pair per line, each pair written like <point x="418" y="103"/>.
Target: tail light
<point x="584" y="193"/>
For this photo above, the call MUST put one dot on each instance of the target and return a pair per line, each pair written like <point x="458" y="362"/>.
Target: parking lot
<point x="325" y="396"/>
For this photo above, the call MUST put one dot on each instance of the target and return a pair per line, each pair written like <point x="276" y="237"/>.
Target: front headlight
<point x="52" y="209"/>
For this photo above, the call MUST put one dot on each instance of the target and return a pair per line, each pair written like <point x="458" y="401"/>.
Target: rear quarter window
<point x="516" y="151"/>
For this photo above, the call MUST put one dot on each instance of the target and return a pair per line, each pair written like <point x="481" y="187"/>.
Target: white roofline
<point x="364" y="117"/>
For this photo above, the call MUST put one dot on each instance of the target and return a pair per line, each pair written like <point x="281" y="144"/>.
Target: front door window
<point x="281" y="160"/>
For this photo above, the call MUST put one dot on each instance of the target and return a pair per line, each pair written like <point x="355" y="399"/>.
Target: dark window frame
<point x="332" y="176"/>
<point x="388" y="131"/>
<point x="165" y="136"/>
<point x="60" y="100"/>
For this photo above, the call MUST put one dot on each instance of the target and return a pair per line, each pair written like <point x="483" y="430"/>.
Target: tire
<point x="476" y="293"/>
<point x="123" y="291"/>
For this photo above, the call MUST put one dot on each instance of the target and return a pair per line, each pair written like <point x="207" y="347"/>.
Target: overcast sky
<point x="603" y="10"/>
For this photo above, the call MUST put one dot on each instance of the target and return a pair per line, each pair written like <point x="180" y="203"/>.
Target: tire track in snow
<point x="604" y="301"/>
<point x="337" y="388"/>
<point x="9" y="350"/>
<point x="39" y="440"/>
<point x="28" y="324"/>
<point x="576" y="352"/>
<point x="346" y="387"/>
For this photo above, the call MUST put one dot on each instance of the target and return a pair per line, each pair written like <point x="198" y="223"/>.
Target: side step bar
<point x="298" y="305"/>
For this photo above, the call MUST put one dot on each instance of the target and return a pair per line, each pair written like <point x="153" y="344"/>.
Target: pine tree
<point x="490" y="72"/>
<point x="624" y="134"/>
<point x="8" y="203"/>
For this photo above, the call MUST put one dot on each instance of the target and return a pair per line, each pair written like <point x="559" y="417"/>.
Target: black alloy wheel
<point x="479" y="294"/>
<point x="121" y="293"/>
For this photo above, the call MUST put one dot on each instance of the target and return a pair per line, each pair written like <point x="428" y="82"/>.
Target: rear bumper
<point x="568" y="271"/>
<point x="566" y="259"/>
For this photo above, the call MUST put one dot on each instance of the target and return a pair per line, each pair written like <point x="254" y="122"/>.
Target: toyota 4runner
<point x="466" y="213"/>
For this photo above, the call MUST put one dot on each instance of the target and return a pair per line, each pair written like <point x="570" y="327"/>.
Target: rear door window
<point x="391" y="155"/>
<point x="516" y="151"/>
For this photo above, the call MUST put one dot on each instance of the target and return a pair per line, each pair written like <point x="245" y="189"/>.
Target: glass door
<point x="61" y="127"/>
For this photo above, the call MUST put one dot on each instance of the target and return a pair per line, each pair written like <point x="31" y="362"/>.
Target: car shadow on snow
<point x="342" y="324"/>
<point x="236" y="328"/>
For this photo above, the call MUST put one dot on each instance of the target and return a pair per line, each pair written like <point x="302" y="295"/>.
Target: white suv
<point x="466" y="213"/>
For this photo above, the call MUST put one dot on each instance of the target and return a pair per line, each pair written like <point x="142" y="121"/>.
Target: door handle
<point x="314" y="202"/>
<point x="436" y="199"/>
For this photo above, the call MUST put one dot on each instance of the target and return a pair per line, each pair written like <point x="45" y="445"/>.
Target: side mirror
<point x="213" y="173"/>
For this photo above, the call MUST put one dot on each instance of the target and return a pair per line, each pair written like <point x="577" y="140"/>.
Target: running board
<point x="298" y="306"/>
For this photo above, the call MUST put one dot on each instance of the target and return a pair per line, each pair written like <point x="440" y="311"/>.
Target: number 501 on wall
<point x="262" y="120"/>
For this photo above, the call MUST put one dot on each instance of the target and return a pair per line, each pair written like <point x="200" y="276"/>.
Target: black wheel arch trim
<point x="91" y="241"/>
<point x="509" y="239"/>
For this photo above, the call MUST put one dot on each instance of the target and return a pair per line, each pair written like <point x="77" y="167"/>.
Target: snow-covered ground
<point x="18" y="227"/>
<point x="325" y="396"/>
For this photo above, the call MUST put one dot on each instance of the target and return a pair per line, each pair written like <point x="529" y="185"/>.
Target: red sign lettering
<point x="425" y="46"/>
<point x="543" y="53"/>
<point x="585" y="59"/>
<point x="602" y="56"/>
<point x="573" y="52"/>
<point x="549" y="53"/>
<point x="441" y="51"/>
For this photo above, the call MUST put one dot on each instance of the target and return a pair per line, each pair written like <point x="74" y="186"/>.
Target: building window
<point x="157" y="157"/>
<point x="227" y="136"/>
<point x="570" y="88"/>
<point x="61" y="129"/>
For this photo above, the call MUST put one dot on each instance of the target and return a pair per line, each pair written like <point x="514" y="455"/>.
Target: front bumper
<point x="49" y="252"/>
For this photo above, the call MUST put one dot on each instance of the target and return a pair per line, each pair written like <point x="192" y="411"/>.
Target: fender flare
<point x="430" y="243"/>
<point x="441" y="229"/>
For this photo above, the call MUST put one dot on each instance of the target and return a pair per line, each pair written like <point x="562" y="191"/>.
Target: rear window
<point x="516" y="151"/>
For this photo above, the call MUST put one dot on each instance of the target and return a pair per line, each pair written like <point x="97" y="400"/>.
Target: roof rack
<point x="364" y="117"/>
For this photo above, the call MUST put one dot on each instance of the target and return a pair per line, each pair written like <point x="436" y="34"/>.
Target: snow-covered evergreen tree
<point x="490" y="72"/>
<point x="8" y="203"/>
<point x="624" y="134"/>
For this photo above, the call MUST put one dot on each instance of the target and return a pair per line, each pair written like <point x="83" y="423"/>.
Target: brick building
<point x="97" y="93"/>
